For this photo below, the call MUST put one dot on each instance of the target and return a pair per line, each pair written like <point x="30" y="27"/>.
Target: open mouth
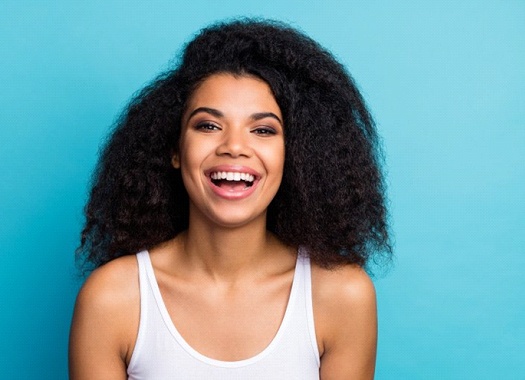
<point x="232" y="181"/>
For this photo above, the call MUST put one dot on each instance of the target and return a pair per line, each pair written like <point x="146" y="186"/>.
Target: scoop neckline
<point x="203" y="358"/>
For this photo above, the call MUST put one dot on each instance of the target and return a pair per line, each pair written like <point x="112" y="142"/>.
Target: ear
<point x="175" y="161"/>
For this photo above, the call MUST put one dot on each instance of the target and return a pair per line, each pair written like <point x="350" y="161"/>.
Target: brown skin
<point x="345" y="318"/>
<point x="226" y="305"/>
<point x="247" y="310"/>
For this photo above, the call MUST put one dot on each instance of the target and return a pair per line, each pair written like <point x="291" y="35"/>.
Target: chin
<point x="238" y="221"/>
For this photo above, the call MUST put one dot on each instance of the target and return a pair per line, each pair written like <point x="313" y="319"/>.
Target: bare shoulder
<point x="105" y="320"/>
<point x="112" y="287"/>
<point x="343" y="286"/>
<point x="345" y="315"/>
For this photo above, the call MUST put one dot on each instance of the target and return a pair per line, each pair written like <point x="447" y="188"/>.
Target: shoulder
<point x="107" y="309"/>
<point x="345" y="315"/>
<point x="342" y="287"/>
<point x="112" y="285"/>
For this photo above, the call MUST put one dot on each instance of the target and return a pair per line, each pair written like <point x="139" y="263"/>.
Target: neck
<point x="228" y="253"/>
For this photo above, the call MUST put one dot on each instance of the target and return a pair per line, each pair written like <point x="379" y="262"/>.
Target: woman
<point x="247" y="178"/>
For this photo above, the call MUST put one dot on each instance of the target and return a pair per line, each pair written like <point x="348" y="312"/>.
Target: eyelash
<point x="206" y="127"/>
<point x="260" y="131"/>
<point x="264" y="131"/>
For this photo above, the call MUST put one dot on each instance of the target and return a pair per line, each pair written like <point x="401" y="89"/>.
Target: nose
<point x="234" y="143"/>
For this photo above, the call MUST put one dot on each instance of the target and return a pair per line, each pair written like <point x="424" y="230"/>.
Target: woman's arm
<point x="104" y="323"/>
<point x="346" y="323"/>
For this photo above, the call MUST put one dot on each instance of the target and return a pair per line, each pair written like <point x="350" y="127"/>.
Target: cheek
<point x="280" y="153"/>
<point x="275" y="158"/>
<point x="187" y="161"/>
<point x="190" y="152"/>
<point x="193" y="155"/>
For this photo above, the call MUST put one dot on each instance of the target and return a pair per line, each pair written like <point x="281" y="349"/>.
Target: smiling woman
<point x="233" y="129"/>
<point x="232" y="215"/>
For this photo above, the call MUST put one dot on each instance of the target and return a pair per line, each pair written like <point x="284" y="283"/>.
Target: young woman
<point x="248" y="181"/>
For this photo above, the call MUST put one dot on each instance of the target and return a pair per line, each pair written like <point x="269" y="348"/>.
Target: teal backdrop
<point x="446" y="83"/>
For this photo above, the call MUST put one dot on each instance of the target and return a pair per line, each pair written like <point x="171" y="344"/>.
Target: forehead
<point x="227" y="91"/>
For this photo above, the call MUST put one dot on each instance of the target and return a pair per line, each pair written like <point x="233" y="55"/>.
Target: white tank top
<point x="162" y="353"/>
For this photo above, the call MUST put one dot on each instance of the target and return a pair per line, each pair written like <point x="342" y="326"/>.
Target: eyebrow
<point x="262" y="115"/>
<point x="211" y="111"/>
<point x="217" y="113"/>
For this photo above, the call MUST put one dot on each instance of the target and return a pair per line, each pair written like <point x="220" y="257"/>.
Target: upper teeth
<point x="232" y="176"/>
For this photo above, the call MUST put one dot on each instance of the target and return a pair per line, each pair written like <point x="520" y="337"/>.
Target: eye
<point x="207" y="127"/>
<point x="264" y="131"/>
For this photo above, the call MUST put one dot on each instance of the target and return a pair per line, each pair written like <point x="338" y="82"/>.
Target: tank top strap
<point x="146" y="298"/>
<point x="305" y="269"/>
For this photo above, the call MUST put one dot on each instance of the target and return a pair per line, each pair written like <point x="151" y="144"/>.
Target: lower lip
<point x="232" y="195"/>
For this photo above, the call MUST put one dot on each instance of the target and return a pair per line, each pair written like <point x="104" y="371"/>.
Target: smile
<point x="232" y="181"/>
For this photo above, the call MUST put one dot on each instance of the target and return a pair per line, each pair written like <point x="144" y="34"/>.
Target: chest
<point x="265" y="330"/>
<point x="228" y="324"/>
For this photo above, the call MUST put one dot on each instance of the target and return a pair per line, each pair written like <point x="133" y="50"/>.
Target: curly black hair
<point x="332" y="196"/>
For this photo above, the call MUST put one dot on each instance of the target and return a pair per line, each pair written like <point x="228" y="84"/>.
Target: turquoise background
<point x="446" y="83"/>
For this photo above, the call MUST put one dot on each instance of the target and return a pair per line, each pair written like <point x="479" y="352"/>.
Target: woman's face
<point x="231" y="150"/>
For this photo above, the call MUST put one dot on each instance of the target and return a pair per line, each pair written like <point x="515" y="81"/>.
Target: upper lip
<point x="232" y="169"/>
